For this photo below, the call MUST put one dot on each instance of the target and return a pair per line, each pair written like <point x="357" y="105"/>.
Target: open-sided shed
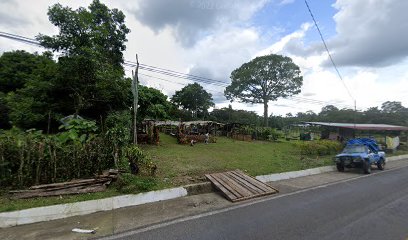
<point x="343" y="131"/>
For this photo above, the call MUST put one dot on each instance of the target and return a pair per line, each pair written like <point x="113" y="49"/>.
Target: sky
<point x="367" y="40"/>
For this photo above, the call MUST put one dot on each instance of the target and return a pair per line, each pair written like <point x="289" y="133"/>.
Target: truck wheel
<point x="340" y="167"/>
<point x="381" y="164"/>
<point x="367" y="167"/>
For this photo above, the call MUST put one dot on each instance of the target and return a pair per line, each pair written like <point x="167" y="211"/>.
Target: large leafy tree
<point x="26" y="82"/>
<point x="90" y="43"/>
<point x="193" y="98"/>
<point x="264" y="79"/>
<point x="18" y="67"/>
<point x="153" y="104"/>
<point x="392" y="107"/>
<point x="229" y="115"/>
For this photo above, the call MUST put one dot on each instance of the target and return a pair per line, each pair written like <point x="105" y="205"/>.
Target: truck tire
<point x="340" y="167"/>
<point x="366" y="167"/>
<point x="381" y="164"/>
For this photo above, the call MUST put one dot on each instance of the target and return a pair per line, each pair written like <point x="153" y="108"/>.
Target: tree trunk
<point x="265" y="113"/>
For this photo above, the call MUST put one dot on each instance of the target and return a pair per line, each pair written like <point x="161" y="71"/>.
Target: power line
<point x="146" y="75"/>
<point x="171" y="73"/>
<point x="300" y="99"/>
<point x="145" y="67"/>
<point x="328" y="52"/>
<point x="295" y="99"/>
<point x="19" y="38"/>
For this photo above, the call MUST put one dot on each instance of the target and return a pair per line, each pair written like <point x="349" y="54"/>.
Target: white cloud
<point x="285" y="2"/>
<point x="294" y="38"/>
<point x="363" y="39"/>
<point x="370" y="32"/>
<point x="190" y="20"/>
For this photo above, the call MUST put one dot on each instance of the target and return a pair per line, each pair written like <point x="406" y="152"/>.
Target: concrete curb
<point x="312" y="171"/>
<point x="40" y="214"/>
<point x="294" y="174"/>
<point x="395" y="158"/>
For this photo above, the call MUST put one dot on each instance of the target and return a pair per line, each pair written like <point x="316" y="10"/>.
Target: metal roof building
<point x="369" y="127"/>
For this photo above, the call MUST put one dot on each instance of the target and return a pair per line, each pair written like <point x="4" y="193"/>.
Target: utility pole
<point x="355" y="116"/>
<point x="135" y="83"/>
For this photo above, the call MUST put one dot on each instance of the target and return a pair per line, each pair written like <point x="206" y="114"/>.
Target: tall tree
<point x="18" y="67"/>
<point x="152" y="104"/>
<point x="193" y="98"/>
<point x="392" y="107"/>
<point x="265" y="79"/>
<point x="28" y="81"/>
<point x="229" y="115"/>
<point x="90" y="42"/>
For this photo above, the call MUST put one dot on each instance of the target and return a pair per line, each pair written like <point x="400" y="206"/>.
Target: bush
<point x="262" y="133"/>
<point x="118" y="133"/>
<point x="30" y="157"/>
<point x="140" y="160"/>
<point x="319" y="147"/>
<point x="129" y="183"/>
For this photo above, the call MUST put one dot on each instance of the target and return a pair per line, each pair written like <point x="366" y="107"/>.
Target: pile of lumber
<point x="77" y="186"/>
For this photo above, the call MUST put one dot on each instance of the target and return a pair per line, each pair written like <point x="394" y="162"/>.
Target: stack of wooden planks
<point x="238" y="186"/>
<point x="77" y="186"/>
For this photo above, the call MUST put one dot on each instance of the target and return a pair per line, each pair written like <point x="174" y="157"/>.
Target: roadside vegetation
<point x="67" y="114"/>
<point x="182" y="164"/>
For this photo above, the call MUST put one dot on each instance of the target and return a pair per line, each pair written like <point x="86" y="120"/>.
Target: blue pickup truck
<point x="360" y="153"/>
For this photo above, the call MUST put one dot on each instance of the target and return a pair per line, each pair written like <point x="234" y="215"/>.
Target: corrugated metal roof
<point x="358" y="126"/>
<point x="176" y="123"/>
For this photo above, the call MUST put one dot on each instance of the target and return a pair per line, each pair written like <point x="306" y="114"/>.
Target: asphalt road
<point x="368" y="207"/>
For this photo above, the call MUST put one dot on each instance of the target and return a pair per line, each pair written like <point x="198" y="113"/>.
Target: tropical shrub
<point x="319" y="147"/>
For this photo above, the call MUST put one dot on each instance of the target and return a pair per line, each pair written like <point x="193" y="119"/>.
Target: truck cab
<point x="360" y="153"/>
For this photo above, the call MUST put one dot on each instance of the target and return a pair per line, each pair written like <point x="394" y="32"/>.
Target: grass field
<point x="182" y="164"/>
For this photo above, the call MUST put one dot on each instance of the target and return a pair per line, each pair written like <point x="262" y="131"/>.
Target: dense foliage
<point x="193" y="98"/>
<point x="26" y="83"/>
<point x="31" y="157"/>
<point x="319" y="147"/>
<point x="90" y="79"/>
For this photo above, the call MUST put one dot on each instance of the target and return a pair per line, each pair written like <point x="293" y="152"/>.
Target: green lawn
<point x="181" y="164"/>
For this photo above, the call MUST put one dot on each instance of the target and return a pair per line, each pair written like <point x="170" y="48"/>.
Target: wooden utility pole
<point x="135" y="83"/>
<point x="355" y="118"/>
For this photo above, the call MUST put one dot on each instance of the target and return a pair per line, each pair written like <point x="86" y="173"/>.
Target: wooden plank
<point x="218" y="185"/>
<point x="225" y="184"/>
<point x="76" y="181"/>
<point x="248" y="185"/>
<point x="238" y="186"/>
<point x="70" y="191"/>
<point x="235" y="185"/>
<point x="254" y="182"/>
<point x="267" y="189"/>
